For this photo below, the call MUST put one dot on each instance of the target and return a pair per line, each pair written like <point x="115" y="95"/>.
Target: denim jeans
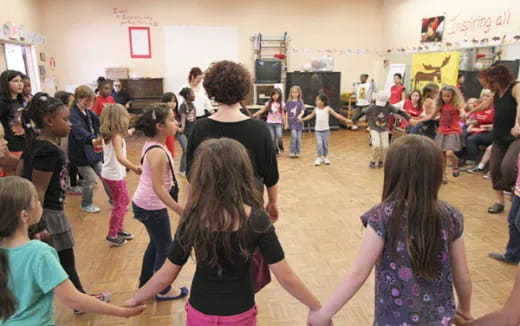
<point x="513" y="245"/>
<point x="322" y="142"/>
<point x="183" y="141"/>
<point x="89" y="173"/>
<point x="157" y="225"/>
<point x="296" y="141"/>
<point x="276" y="134"/>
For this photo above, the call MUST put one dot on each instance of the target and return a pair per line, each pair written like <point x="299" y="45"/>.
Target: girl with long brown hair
<point x="224" y="223"/>
<point x="414" y="240"/>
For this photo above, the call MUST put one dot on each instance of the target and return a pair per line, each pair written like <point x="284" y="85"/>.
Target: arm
<point x="158" y="161"/>
<point x="117" y="143"/>
<point x="272" y="202"/>
<point x="292" y="284"/>
<point x="403" y="94"/>
<point x="369" y="253"/>
<point x="428" y="117"/>
<point x="360" y="113"/>
<point x="483" y="106"/>
<point x="160" y="280"/>
<point x="259" y="112"/>
<point x="400" y="112"/>
<point x="310" y="116"/>
<point x="461" y="277"/>
<point x="339" y="116"/>
<point x="8" y="162"/>
<point x="72" y="298"/>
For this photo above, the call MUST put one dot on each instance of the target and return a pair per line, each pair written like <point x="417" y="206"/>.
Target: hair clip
<point x="43" y="98"/>
<point x="154" y="117"/>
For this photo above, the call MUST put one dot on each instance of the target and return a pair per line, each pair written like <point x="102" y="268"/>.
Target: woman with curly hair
<point x="229" y="82"/>
<point x="506" y="129"/>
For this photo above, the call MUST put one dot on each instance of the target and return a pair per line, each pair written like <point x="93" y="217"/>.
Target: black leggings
<point x="68" y="263"/>
<point x="73" y="175"/>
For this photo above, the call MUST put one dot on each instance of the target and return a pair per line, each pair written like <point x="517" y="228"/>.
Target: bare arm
<point x="160" y="280"/>
<point x="272" y="202"/>
<point x="461" y="277"/>
<point x="369" y="253"/>
<point x="339" y="116"/>
<point x="158" y="162"/>
<point x="259" y="112"/>
<point x="310" y="116"/>
<point x="292" y="284"/>
<point x="72" y="298"/>
<point x="482" y="106"/>
<point x="117" y="143"/>
<point x="8" y="162"/>
<point x="433" y="113"/>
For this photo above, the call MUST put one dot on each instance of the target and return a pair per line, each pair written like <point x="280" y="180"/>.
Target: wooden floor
<point x="320" y="231"/>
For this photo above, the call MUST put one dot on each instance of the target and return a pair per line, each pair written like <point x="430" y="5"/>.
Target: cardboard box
<point x="116" y="73"/>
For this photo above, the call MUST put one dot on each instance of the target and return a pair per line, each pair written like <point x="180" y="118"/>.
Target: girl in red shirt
<point x="412" y="106"/>
<point x="450" y="107"/>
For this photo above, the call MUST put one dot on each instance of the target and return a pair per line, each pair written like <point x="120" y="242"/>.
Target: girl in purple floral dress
<point x="415" y="241"/>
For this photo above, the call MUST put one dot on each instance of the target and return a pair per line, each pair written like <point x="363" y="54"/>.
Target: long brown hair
<point x="16" y="195"/>
<point x="222" y="183"/>
<point x="413" y="176"/>
<point x="114" y="121"/>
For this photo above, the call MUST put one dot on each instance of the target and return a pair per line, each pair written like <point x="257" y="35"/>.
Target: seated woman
<point x="479" y="130"/>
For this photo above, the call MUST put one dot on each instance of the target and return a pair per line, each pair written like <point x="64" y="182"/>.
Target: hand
<point x="413" y="122"/>
<point x="515" y="131"/>
<point x="17" y="129"/>
<point x="131" y="131"/>
<point x="128" y="312"/>
<point x="42" y="236"/>
<point x="286" y="127"/>
<point x="137" y="170"/>
<point x="127" y="106"/>
<point x="180" y="130"/>
<point x="300" y="120"/>
<point x="97" y="142"/>
<point x="316" y="319"/>
<point x="463" y="318"/>
<point x="272" y="211"/>
<point x="350" y="123"/>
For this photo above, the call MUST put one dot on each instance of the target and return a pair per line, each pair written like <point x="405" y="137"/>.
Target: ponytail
<point x="8" y="302"/>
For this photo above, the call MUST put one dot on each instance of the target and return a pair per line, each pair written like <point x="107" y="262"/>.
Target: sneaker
<point x="116" y="242"/>
<point x="103" y="296"/>
<point x="75" y="191"/>
<point x="325" y="161"/>
<point x="380" y="164"/>
<point x="125" y="235"/>
<point x="317" y="161"/>
<point x="297" y="155"/>
<point x="354" y="127"/>
<point x="292" y="155"/>
<point x="474" y="170"/>
<point x="486" y="176"/>
<point x="372" y="165"/>
<point x="182" y="173"/>
<point x="91" y="209"/>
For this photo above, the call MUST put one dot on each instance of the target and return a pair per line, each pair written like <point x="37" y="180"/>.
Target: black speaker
<point x="314" y="83"/>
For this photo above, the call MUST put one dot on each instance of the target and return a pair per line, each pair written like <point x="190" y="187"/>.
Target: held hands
<point x="515" y="131"/>
<point x="463" y="318"/>
<point x="272" y="211"/>
<point x="42" y="236"/>
<point x="137" y="169"/>
<point x="315" y="318"/>
<point x="414" y="122"/>
<point x="131" y="308"/>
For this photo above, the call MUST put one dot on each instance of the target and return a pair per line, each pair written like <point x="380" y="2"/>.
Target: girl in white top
<point x="321" y="127"/>
<point x="114" y="126"/>
<point x="202" y="103"/>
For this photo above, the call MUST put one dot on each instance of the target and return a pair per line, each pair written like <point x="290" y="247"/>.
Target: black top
<point x="253" y="134"/>
<point x="121" y="98"/>
<point x="188" y="109"/>
<point x="11" y="113"/>
<point x="232" y="292"/>
<point x="505" y="117"/>
<point x="45" y="156"/>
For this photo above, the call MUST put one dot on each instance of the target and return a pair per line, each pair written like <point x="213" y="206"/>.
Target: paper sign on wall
<point x="140" y="44"/>
<point x="438" y="68"/>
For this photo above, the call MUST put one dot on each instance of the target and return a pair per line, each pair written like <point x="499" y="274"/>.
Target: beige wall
<point x="85" y="37"/>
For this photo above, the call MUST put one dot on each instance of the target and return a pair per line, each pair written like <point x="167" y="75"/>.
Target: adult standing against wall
<point x="202" y="103"/>
<point x="506" y="129"/>
<point x="120" y="95"/>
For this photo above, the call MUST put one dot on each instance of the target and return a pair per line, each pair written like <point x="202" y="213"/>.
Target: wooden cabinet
<point x="144" y="91"/>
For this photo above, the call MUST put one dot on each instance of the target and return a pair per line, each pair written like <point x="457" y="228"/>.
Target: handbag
<point x="91" y="155"/>
<point x="174" y="190"/>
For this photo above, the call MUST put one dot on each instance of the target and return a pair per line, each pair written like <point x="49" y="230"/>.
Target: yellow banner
<point x="438" y="68"/>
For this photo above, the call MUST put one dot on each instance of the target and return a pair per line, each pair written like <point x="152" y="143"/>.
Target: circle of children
<point x="414" y="240"/>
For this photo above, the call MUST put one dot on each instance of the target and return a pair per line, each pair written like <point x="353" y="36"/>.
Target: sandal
<point x="184" y="292"/>
<point x="496" y="208"/>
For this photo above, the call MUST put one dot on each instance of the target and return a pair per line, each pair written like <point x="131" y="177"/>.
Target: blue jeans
<point x="276" y="134"/>
<point x="296" y="141"/>
<point x="513" y="245"/>
<point x="415" y="129"/>
<point x="89" y="173"/>
<point x="183" y="141"/>
<point x="157" y="225"/>
<point x="322" y="143"/>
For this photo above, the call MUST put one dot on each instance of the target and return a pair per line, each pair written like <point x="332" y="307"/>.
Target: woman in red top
<point x="479" y="129"/>
<point x="450" y="106"/>
<point x="397" y="95"/>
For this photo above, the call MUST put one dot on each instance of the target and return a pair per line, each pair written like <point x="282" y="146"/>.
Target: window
<point x="23" y="58"/>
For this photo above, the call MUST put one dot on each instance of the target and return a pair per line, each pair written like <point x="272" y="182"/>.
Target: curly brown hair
<point x="500" y="74"/>
<point x="227" y="82"/>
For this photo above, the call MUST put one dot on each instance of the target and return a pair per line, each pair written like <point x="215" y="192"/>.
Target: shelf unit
<point x="266" y="47"/>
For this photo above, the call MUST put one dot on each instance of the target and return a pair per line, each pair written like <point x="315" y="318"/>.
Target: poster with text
<point x="432" y="29"/>
<point x="440" y="68"/>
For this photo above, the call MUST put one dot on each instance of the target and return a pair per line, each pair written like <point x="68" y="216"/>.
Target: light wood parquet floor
<point x="320" y="231"/>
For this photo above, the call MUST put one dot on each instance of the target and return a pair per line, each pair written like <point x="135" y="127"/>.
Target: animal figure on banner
<point x="432" y="75"/>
